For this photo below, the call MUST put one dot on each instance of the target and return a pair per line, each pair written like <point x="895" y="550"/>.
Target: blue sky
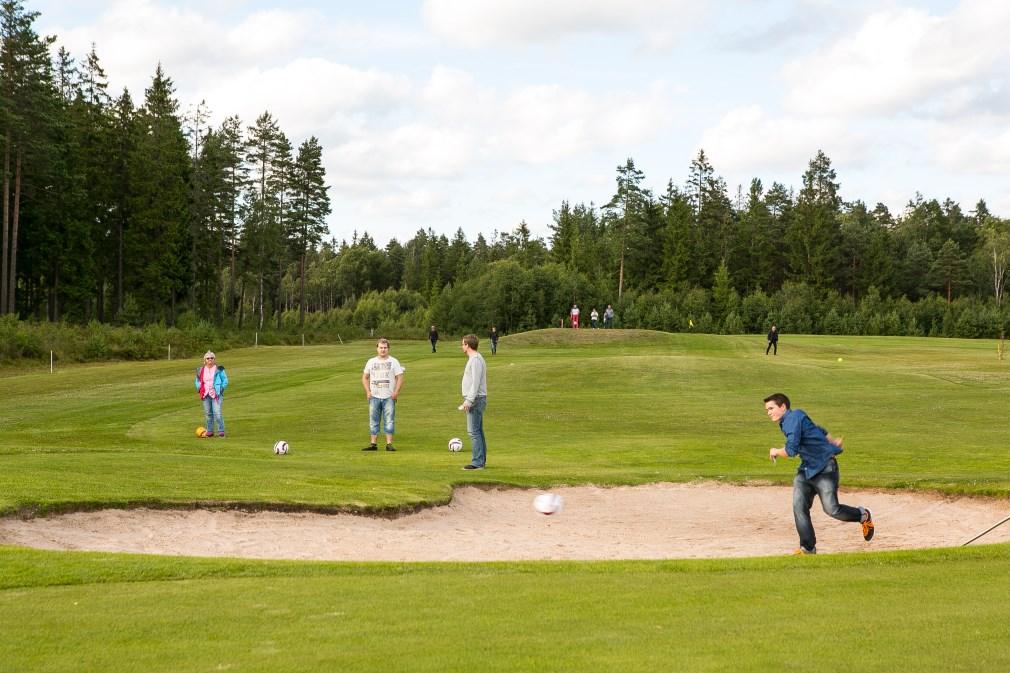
<point x="479" y="114"/>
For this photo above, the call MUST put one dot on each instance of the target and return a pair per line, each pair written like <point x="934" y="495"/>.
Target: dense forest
<point x="124" y="212"/>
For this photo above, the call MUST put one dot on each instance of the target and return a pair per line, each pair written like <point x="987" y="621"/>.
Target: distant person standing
<point x="594" y="317"/>
<point x="817" y="474"/>
<point x="575" y="316"/>
<point x="494" y="339"/>
<point x="382" y="380"/>
<point x="608" y="317"/>
<point x="475" y="401"/>
<point x="773" y="341"/>
<point x="433" y="337"/>
<point x="210" y="383"/>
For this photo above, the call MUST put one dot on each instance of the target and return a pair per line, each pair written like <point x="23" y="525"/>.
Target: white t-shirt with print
<point x="382" y="376"/>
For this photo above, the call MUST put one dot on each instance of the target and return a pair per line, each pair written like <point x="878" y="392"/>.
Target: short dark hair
<point x="471" y="340"/>
<point x="779" y="399"/>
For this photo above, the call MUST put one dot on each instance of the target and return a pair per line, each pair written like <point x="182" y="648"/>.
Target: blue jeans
<point x="824" y="484"/>
<point x="384" y="409"/>
<point x="475" y="428"/>
<point x="212" y="410"/>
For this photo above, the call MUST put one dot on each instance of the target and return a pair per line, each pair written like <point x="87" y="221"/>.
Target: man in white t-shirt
<point x="382" y="380"/>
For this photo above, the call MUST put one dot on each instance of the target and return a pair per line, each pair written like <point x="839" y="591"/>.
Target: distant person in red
<point x="575" y="316"/>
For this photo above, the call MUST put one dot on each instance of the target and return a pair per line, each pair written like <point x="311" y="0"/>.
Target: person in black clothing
<point x="494" y="339"/>
<point x="433" y="337"/>
<point x="773" y="341"/>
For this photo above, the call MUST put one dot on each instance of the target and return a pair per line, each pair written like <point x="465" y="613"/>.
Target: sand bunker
<point x="658" y="521"/>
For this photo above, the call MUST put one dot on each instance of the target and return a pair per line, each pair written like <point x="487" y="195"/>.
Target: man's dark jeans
<point x="825" y="485"/>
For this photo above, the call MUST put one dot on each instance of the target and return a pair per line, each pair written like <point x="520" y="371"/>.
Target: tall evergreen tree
<point x="157" y="245"/>
<point x="813" y="235"/>
<point x="26" y="105"/>
<point x="310" y="206"/>
<point x="625" y="210"/>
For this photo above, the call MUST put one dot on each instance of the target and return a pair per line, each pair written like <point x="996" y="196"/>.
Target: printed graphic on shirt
<point x="382" y="376"/>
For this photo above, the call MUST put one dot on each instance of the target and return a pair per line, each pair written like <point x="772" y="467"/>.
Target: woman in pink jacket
<point x="210" y="383"/>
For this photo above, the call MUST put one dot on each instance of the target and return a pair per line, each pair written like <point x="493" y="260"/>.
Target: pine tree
<point x="813" y="236"/>
<point x="310" y="206"/>
<point x="26" y="106"/>
<point x="625" y="210"/>
<point x="157" y="246"/>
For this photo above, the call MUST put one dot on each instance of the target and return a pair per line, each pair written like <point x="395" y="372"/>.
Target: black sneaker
<point x="371" y="447"/>
<point x="473" y="467"/>
<point x="389" y="447"/>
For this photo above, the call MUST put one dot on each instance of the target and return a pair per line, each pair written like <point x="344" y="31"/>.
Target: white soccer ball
<point x="455" y="444"/>
<point x="281" y="447"/>
<point x="548" y="503"/>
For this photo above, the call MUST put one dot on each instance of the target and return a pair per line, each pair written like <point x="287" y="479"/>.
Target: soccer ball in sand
<point x="281" y="447"/>
<point x="455" y="444"/>
<point x="548" y="503"/>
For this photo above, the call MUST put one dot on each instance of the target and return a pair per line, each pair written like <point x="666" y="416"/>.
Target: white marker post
<point x="50" y="362"/>
<point x="169" y="351"/>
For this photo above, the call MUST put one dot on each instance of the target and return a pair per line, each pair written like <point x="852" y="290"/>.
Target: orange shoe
<point x="803" y="551"/>
<point x="867" y="524"/>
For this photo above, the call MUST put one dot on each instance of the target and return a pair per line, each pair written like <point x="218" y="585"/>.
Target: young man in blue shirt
<point x="817" y="473"/>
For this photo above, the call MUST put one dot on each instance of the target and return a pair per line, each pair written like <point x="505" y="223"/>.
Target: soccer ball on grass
<point x="281" y="447"/>
<point x="455" y="444"/>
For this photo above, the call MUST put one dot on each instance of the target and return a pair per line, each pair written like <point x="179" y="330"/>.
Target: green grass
<point x="589" y="407"/>
<point x="925" y="611"/>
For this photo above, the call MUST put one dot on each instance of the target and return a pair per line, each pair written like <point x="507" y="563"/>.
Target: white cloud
<point x="307" y="95"/>
<point x="748" y="139"/>
<point x="971" y="149"/>
<point x="899" y="59"/>
<point x="545" y="124"/>
<point x="477" y="23"/>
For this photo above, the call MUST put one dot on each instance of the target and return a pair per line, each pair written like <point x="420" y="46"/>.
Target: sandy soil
<point x="659" y="521"/>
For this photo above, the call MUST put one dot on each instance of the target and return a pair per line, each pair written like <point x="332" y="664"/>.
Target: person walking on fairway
<point x="382" y="380"/>
<point x="608" y="317"/>
<point x="210" y="383"/>
<point x="817" y="473"/>
<point x="433" y="337"/>
<point x="475" y="401"/>
<point x="494" y="339"/>
<point x="773" y="340"/>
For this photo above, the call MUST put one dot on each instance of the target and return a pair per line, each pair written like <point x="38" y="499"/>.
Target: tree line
<point x="127" y="214"/>
<point x="114" y="211"/>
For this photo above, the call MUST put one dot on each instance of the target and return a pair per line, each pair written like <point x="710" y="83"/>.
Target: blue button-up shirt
<point x="808" y="441"/>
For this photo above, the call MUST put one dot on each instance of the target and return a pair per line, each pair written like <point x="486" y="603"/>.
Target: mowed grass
<point x="564" y="408"/>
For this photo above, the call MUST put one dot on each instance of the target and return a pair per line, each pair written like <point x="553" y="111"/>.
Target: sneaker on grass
<point x="371" y="447"/>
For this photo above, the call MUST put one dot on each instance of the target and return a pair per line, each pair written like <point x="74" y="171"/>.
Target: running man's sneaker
<point x="867" y="525"/>
<point x="371" y="447"/>
<point x="389" y="447"/>
<point x="803" y="551"/>
<point x="473" y="467"/>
